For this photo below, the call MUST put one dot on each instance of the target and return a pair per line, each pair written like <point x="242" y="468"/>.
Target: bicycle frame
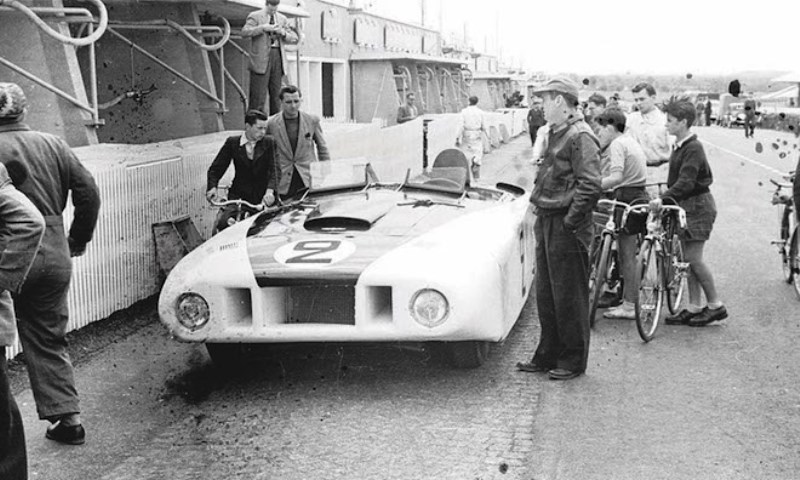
<point x="657" y="268"/>
<point x="789" y="243"/>
<point x="602" y="256"/>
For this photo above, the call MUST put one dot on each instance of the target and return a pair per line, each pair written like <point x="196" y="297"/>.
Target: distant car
<point x="434" y="259"/>
<point x="734" y="117"/>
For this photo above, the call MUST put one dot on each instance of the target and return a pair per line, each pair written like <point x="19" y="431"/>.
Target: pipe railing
<point x="68" y="15"/>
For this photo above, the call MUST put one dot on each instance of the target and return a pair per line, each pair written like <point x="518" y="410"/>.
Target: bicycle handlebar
<point x="646" y="207"/>
<point x="238" y="202"/>
<point x="781" y="185"/>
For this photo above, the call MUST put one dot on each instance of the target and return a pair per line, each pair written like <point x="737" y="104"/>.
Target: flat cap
<point x="559" y="85"/>
<point x="12" y="101"/>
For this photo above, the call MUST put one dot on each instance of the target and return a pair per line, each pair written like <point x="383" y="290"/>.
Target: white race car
<point x="431" y="259"/>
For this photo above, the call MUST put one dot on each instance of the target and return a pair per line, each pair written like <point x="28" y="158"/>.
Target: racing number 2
<point x="313" y="251"/>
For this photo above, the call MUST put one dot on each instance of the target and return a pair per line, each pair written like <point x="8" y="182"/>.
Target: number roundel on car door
<point x="314" y="253"/>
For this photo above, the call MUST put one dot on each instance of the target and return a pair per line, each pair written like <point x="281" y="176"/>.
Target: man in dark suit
<point x="253" y="156"/>
<point x="295" y="134"/>
<point x="268" y="31"/>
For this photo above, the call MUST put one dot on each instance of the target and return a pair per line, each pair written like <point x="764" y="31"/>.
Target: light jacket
<point x="260" y="41"/>
<point x="310" y="133"/>
<point x="21" y="229"/>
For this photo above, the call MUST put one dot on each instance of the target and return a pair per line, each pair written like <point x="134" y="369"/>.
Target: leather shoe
<point x="709" y="315"/>
<point x="562" y="374"/>
<point x="682" y="318"/>
<point x="70" y="435"/>
<point x="609" y="299"/>
<point x="531" y="367"/>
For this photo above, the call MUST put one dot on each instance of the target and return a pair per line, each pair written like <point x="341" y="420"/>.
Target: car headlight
<point x="429" y="308"/>
<point x="192" y="311"/>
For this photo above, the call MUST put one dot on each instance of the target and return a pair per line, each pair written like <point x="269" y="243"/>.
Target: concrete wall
<point x="374" y="92"/>
<point x="174" y="109"/>
<point x="54" y="63"/>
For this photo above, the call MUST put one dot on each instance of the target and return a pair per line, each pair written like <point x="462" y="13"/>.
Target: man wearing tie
<point x="253" y="156"/>
<point x="268" y="31"/>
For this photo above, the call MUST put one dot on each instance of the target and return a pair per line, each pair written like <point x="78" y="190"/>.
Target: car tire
<point x="469" y="354"/>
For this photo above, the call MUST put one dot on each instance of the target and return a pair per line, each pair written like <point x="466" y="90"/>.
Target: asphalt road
<point x="719" y="402"/>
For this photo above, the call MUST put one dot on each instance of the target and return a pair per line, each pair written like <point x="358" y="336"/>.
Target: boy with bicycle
<point x="688" y="186"/>
<point x="624" y="177"/>
<point x="253" y="157"/>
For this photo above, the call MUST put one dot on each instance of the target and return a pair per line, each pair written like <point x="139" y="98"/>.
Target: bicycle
<point x="661" y="269"/>
<point x="789" y="243"/>
<point x="243" y="209"/>
<point x="604" y="268"/>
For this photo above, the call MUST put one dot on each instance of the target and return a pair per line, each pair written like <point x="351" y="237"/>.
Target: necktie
<point x="272" y="19"/>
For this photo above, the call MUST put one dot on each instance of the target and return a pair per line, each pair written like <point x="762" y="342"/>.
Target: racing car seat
<point x="450" y="162"/>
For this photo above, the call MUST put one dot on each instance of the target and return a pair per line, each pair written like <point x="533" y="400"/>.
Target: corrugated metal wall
<point x="119" y="267"/>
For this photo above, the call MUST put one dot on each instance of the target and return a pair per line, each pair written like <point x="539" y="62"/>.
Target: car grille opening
<point x="326" y="304"/>
<point x="379" y="304"/>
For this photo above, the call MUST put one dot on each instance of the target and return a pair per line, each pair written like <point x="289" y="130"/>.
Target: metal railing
<point x="68" y="15"/>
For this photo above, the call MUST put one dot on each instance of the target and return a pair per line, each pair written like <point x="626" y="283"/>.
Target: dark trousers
<point x="13" y="459"/>
<point x="532" y="131"/>
<point x="562" y="293"/>
<point x="42" y="318"/>
<point x="749" y="126"/>
<point x="296" y="186"/>
<point x="267" y="84"/>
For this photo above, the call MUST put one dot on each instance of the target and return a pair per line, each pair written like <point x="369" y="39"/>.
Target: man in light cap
<point x="41" y="305"/>
<point x="565" y="192"/>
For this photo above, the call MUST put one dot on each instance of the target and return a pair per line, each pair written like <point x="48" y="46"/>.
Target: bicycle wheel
<point x="786" y="246"/>
<point x="676" y="273"/>
<point x="649" y="274"/>
<point x="597" y="276"/>
<point x="794" y="253"/>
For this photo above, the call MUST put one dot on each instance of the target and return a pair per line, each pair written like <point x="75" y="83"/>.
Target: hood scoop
<point x="355" y="213"/>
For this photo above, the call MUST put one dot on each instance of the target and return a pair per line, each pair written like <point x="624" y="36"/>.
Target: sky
<point x="599" y="37"/>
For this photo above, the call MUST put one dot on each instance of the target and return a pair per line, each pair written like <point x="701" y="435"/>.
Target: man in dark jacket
<point x="535" y="117"/>
<point x="253" y="156"/>
<point x="41" y="306"/>
<point x="565" y="193"/>
<point x="21" y="229"/>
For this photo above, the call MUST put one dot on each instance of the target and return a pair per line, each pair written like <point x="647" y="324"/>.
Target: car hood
<point x="334" y="242"/>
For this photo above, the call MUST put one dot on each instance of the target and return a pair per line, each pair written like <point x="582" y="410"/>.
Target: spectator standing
<point x="21" y="229"/>
<point x="253" y="157"/>
<point x="688" y="186"/>
<point x="565" y="193"/>
<point x="472" y="132"/>
<point x="295" y="133"/>
<point x="535" y="118"/>
<point x="749" y="116"/>
<point x="408" y="111"/>
<point x="41" y="305"/>
<point x="624" y="161"/>
<point x="707" y="113"/>
<point x="701" y="108"/>
<point x="595" y="105"/>
<point x="268" y="31"/>
<point x="648" y="127"/>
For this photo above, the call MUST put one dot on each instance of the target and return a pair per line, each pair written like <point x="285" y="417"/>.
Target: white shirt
<point x="249" y="145"/>
<point x="473" y="118"/>
<point x="650" y="130"/>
